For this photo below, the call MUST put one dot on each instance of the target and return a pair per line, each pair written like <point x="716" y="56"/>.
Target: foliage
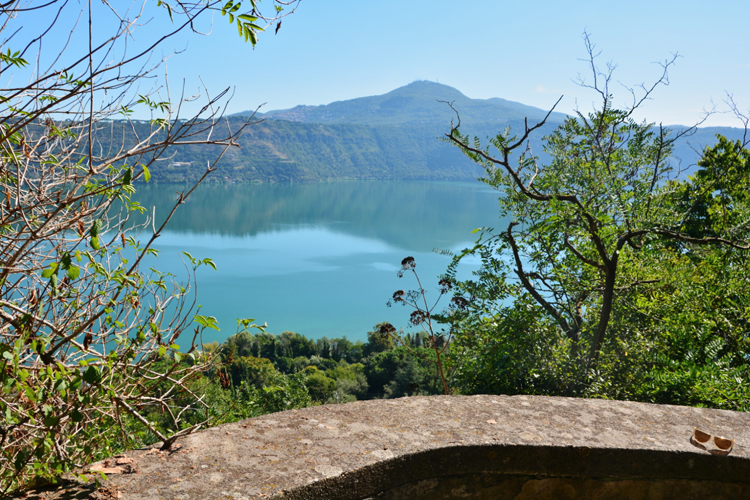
<point x="425" y="317"/>
<point x="236" y="402"/>
<point x="399" y="372"/>
<point x="595" y="287"/>
<point x="379" y="340"/>
<point x="692" y="334"/>
<point x="287" y="347"/>
<point x="320" y="386"/>
<point x="716" y="199"/>
<point x="351" y="382"/>
<point x="332" y="370"/>
<point x="253" y="371"/>
<point x="279" y="151"/>
<point x="89" y="334"/>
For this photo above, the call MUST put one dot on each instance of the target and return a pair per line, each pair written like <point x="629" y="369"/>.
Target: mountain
<point x="282" y="151"/>
<point x="390" y="136"/>
<point x="418" y="102"/>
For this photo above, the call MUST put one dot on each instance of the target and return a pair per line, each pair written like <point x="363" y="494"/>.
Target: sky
<point x="530" y="52"/>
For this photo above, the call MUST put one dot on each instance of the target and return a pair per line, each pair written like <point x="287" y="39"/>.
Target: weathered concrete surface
<point x="483" y="447"/>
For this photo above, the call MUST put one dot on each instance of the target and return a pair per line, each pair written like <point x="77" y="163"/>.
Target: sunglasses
<point x="719" y="445"/>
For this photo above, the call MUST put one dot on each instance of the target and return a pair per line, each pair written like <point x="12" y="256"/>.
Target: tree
<point x="699" y="309"/>
<point x="378" y="340"/>
<point x="251" y="370"/>
<point x="89" y="334"/>
<point x="318" y="384"/>
<point x="587" y="237"/>
<point x="400" y="371"/>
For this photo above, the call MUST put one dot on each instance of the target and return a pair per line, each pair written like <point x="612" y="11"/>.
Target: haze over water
<point x="318" y="259"/>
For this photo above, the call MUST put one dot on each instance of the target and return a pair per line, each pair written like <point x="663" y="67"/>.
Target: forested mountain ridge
<point x="281" y="151"/>
<point x="391" y="136"/>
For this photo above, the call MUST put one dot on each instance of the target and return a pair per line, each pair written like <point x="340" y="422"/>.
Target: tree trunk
<point x="608" y="296"/>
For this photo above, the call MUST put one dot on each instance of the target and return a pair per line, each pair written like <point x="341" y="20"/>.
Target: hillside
<point x="390" y="136"/>
<point x="281" y="151"/>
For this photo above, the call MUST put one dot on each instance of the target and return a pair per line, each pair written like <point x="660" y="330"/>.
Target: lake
<point x="318" y="259"/>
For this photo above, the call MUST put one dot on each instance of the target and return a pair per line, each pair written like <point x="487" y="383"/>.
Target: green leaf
<point x="146" y="173"/>
<point x="74" y="272"/>
<point x="95" y="243"/>
<point x="61" y="385"/>
<point x="51" y="421"/>
<point x="47" y="273"/>
<point x="21" y="458"/>
<point x="91" y="375"/>
<point x="247" y="323"/>
<point x="13" y="59"/>
<point x="96" y="226"/>
<point x="76" y="415"/>
<point x="207" y="322"/>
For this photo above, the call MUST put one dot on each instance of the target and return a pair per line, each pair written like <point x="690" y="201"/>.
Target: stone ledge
<point x="482" y="447"/>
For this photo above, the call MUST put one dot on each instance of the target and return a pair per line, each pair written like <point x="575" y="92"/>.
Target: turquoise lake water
<point x="318" y="259"/>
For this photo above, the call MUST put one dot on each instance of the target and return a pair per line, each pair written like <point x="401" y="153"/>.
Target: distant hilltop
<point x="418" y="102"/>
<point x="390" y="136"/>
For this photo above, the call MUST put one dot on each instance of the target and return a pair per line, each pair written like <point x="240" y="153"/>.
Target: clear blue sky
<point x="522" y="51"/>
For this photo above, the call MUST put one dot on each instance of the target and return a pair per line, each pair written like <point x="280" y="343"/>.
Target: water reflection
<point x="406" y="214"/>
<point x="319" y="259"/>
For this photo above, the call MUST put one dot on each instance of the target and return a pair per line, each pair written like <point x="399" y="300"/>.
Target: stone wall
<point x="449" y="447"/>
